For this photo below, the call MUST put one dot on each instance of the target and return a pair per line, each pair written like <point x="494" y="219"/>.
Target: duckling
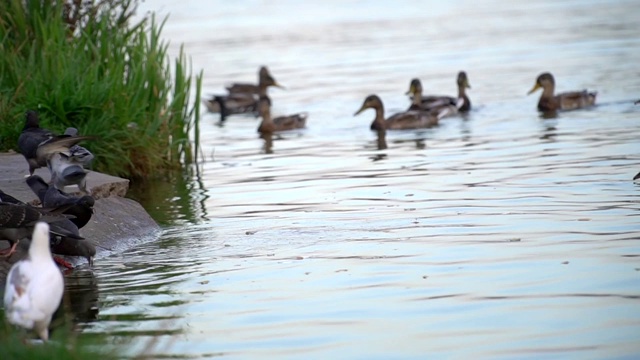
<point x="563" y="101"/>
<point x="431" y="102"/>
<point x="237" y="102"/>
<point x="280" y="123"/>
<point x="412" y="119"/>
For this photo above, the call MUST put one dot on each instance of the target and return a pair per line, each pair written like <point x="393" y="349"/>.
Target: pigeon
<point x="69" y="205"/>
<point x="37" y="145"/>
<point x="64" y="172"/>
<point x="71" y="247"/>
<point x="34" y="286"/>
<point x="17" y="222"/>
<point x="81" y="207"/>
<point x="78" y="154"/>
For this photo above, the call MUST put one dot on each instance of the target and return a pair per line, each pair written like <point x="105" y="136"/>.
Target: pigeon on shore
<point x="17" y="222"/>
<point x="37" y="145"/>
<point x="34" y="286"/>
<point x="78" y="155"/>
<point x="80" y="207"/>
<point x="65" y="173"/>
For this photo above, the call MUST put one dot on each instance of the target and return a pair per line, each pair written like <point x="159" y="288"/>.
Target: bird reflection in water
<point x="381" y="145"/>
<point x="268" y="142"/>
<point x="80" y="300"/>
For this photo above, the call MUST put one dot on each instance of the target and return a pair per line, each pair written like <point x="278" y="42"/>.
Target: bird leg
<point x="8" y="252"/>
<point x="62" y="262"/>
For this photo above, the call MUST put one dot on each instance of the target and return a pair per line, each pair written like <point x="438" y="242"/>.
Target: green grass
<point x="102" y="74"/>
<point x="17" y="344"/>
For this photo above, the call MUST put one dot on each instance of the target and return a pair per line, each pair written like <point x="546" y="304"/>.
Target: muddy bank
<point x="118" y="223"/>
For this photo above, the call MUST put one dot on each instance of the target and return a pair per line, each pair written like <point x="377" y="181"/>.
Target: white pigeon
<point x="34" y="286"/>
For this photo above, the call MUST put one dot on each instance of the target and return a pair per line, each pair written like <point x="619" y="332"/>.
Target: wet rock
<point x="117" y="224"/>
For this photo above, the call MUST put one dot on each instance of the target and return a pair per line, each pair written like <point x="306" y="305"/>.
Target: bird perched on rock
<point x="65" y="237"/>
<point x="80" y="207"/>
<point x="17" y="221"/>
<point x="64" y="172"/>
<point x="37" y="145"/>
<point x="34" y="286"/>
<point x="78" y="154"/>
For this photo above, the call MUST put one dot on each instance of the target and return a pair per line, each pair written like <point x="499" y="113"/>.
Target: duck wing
<point x="411" y="120"/>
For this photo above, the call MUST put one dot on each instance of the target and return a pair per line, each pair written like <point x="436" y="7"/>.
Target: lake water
<point x="499" y="234"/>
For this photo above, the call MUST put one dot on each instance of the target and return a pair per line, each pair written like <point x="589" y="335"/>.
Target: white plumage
<point x="34" y="286"/>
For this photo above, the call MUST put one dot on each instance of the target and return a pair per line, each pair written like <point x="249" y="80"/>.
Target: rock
<point x="117" y="224"/>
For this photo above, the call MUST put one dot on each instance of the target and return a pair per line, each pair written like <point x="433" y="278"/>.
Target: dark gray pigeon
<point x="81" y="207"/>
<point x="37" y="145"/>
<point x="71" y="247"/>
<point x="17" y="222"/>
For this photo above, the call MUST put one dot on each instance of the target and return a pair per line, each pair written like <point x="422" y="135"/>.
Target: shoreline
<point x="117" y="224"/>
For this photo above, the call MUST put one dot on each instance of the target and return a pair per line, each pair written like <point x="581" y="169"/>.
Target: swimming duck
<point x="563" y="101"/>
<point x="34" y="286"/>
<point x="240" y="102"/>
<point x="253" y="89"/>
<point x="279" y="123"/>
<point x="413" y="119"/>
<point x="431" y="102"/>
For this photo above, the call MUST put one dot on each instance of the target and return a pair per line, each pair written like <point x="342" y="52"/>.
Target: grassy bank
<point x="94" y="68"/>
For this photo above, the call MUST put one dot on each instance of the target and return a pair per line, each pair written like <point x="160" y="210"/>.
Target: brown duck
<point x="279" y="123"/>
<point x="563" y="101"/>
<point x="412" y="119"/>
<point x="431" y="102"/>
<point x="253" y="89"/>
<point x="237" y="102"/>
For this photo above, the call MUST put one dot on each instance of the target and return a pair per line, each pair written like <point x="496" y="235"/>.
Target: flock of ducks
<point x="243" y="98"/>
<point x="424" y="110"/>
<point x="34" y="285"/>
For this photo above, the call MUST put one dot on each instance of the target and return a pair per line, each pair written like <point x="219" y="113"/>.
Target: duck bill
<point x="411" y="91"/>
<point x="467" y="85"/>
<point x="535" y="87"/>
<point x="279" y="86"/>
<point x="361" y="110"/>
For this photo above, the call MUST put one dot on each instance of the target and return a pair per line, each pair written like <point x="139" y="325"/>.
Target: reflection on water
<point x="500" y="233"/>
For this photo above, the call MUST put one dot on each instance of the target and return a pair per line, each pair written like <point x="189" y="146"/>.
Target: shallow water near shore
<point x="498" y="234"/>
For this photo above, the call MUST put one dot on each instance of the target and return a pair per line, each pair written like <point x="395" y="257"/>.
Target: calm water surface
<point x="499" y="234"/>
